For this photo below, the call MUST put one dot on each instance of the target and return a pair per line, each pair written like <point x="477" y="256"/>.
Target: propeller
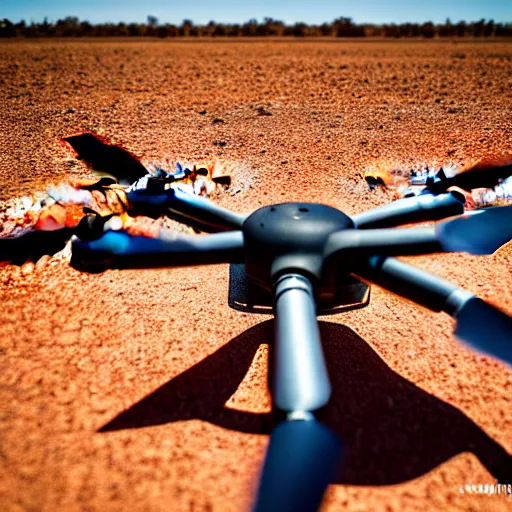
<point x="33" y="245"/>
<point x="480" y="233"/>
<point x="301" y="460"/>
<point x="486" y="173"/>
<point x="485" y="329"/>
<point x="107" y="159"/>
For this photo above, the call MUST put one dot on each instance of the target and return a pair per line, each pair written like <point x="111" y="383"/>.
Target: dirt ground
<point x="143" y="390"/>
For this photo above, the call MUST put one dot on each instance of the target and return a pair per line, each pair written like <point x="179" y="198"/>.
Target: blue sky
<point x="237" y="11"/>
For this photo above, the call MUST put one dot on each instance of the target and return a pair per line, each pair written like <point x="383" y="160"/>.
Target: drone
<point x="300" y="260"/>
<point x="296" y="261"/>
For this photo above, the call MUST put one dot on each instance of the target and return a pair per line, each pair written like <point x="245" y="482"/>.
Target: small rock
<point x="28" y="472"/>
<point x="263" y="112"/>
<point x="220" y="143"/>
<point x="218" y="121"/>
<point x="70" y="111"/>
<point x="42" y="262"/>
<point x="27" y="268"/>
<point x="202" y="113"/>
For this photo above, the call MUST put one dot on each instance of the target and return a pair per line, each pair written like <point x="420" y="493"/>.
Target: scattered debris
<point x="38" y="225"/>
<point x="485" y="183"/>
<point x="388" y="178"/>
<point x="42" y="262"/>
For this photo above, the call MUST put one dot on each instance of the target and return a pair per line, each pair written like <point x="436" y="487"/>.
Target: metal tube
<point x="120" y="250"/>
<point x="352" y="243"/>
<point x="300" y="383"/>
<point x="194" y="211"/>
<point x="409" y="210"/>
<point x="205" y="211"/>
<point x="412" y="283"/>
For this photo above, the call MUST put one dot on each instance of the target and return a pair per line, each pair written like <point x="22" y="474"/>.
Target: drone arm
<point x="195" y="211"/>
<point x="412" y="283"/>
<point x="302" y="454"/>
<point x="351" y="244"/>
<point x="413" y="209"/>
<point x="482" y="326"/>
<point x="482" y="233"/>
<point x="120" y="250"/>
<point x="300" y="382"/>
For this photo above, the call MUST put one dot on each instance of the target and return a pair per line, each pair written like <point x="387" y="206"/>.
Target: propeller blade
<point x="33" y="245"/>
<point x="107" y="159"/>
<point x="485" y="328"/>
<point x="300" y="464"/>
<point x="486" y="173"/>
<point x="481" y="233"/>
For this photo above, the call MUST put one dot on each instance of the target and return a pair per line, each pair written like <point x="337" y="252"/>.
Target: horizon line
<point x="259" y="21"/>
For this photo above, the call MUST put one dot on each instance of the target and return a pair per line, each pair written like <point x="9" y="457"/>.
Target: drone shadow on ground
<point x="392" y="431"/>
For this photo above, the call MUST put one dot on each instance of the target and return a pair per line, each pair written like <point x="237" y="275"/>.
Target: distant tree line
<point x="340" y="27"/>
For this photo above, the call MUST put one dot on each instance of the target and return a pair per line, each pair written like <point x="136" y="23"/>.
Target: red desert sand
<point x="143" y="390"/>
